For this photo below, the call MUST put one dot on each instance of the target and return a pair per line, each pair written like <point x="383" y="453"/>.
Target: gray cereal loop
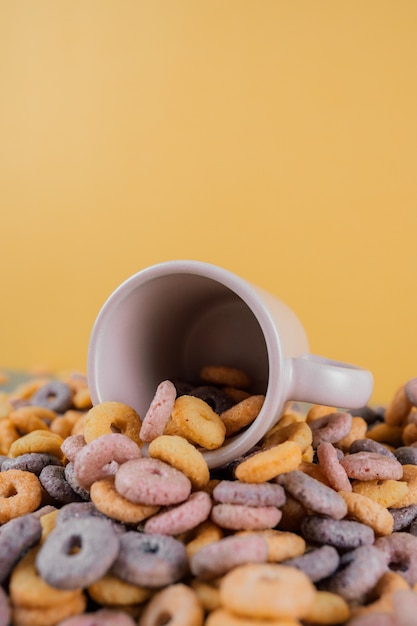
<point x="52" y="479"/>
<point x="16" y="537"/>
<point x="406" y="455"/>
<point x="30" y="462"/>
<point x="77" y="553"/>
<point x="313" y="494"/>
<point x="342" y="534"/>
<point x="72" y="481"/>
<point x="150" y="560"/>
<point x="360" y="571"/>
<point x="317" y="563"/>
<point x="403" y="517"/>
<point x="369" y="445"/>
<point x="54" y="395"/>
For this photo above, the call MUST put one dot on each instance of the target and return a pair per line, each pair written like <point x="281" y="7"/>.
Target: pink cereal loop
<point x="181" y="518"/>
<point x="334" y="471"/>
<point x="159" y="412"/>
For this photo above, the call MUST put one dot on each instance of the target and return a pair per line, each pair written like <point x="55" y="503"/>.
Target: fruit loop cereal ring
<point x="369" y="445"/>
<point x="102" y="457"/>
<point x="73" y="482"/>
<point x="215" y="397"/>
<point x="236" y="492"/>
<point x="20" y="493"/>
<point x="400" y="551"/>
<point x="403" y="517"/>
<point x="54" y="395"/>
<point x="384" y="492"/>
<point x="267" y="591"/>
<point x="75" y="510"/>
<point x="242" y="414"/>
<point x="334" y="472"/>
<point x="282" y="545"/>
<point x="151" y="482"/>
<point x="380" y="597"/>
<point x="82" y="399"/>
<point x="37" y="441"/>
<point x="97" y="547"/>
<point x="5" y="612"/>
<point x="406" y="455"/>
<point x="27" y="588"/>
<point x="384" y="433"/>
<point x="8" y="434"/>
<point x="240" y="516"/>
<point x="235" y="394"/>
<point x="44" y="414"/>
<point x="223" y="617"/>
<point x="112" y="417"/>
<point x="368" y="511"/>
<point x="198" y="422"/>
<point x="358" y="430"/>
<point x="224" y="375"/>
<point x="102" y="617"/>
<point x="398" y="409"/>
<point x="159" y="412"/>
<point x="52" y="479"/>
<point x="109" y="502"/>
<point x="371" y="466"/>
<point x="332" y="427"/>
<point x="177" y="605"/>
<point x="150" y="560"/>
<point x="317" y="563"/>
<point x="263" y="466"/>
<point x="299" y="432"/>
<point x="26" y="421"/>
<point x="30" y="462"/>
<point x="313" y="494"/>
<point x="72" y="445"/>
<point x="361" y="570"/>
<point x="16" y="537"/>
<point x="206" y="533"/>
<point x="217" y="558"/>
<point x="183" y="456"/>
<point x="342" y="534"/>
<point x="328" y="608"/>
<point x="111" y="590"/>
<point x="23" y="616"/>
<point x="409" y="477"/>
<point x="181" y="518"/>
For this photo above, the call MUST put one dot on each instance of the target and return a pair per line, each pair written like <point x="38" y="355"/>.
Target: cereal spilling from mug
<point x="111" y="518"/>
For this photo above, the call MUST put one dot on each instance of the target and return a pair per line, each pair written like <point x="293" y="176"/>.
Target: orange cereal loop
<point x="385" y="492"/>
<point x="223" y="375"/>
<point x="242" y="414"/>
<point x="267" y="464"/>
<point x="205" y="533"/>
<point x="298" y="432"/>
<point x="208" y="593"/>
<point x="198" y="422"/>
<point x="26" y="422"/>
<point x="176" y="604"/>
<point x="328" y="608"/>
<point x="398" y="409"/>
<point x="358" y="430"/>
<point x="315" y="471"/>
<point x="111" y="590"/>
<point x="223" y="617"/>
<point x="48" y="522"/>
<point x="62" y="426"/>
<point x="237" y="395"/>
<point x="37" y="441"/>
<point x="48" y="616"/>
<point x="112" y="417"/>
<point x="20" y="493"/>
<point x="369" y="512"/>
<point x="282" y="545"/>
<point x="46" y="415"/>
<point x="409" y="434"/>
<point x="181" y="454"/>
<point x="8" y="434"/>
<point x="319" y="410"/>
<point x="82" y="399"/>
<point x="387" y="434"/>
<point x="78" y="428"/>
<point x="109" y="502"/>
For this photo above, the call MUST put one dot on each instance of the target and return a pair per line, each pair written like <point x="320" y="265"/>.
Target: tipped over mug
<point x="171" y="319"/>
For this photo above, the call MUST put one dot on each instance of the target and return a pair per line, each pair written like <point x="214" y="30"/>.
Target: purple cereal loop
<point x="371" y="466"/>
<point x="406" y="455"/>
<point x="77" y="510"/>
<point x="182" y="517"/>
<point x="260" y="494"/>
<point x="95" y="460"/>
<point x="317" y="563"/>
<point x="16" y="537"/>
<point x="400" y="551"/>
<point x="152" y="482"/>
<point x="73" y="482"/>
<point x="313" y="494"/>
<point x="342" y="534"/>
<point x="52" y="479"/>
<point x="242" y="517"/>
<point x="5" y="611"/>
<point x="72" y="445"/>
<point x="218" y="558"/>
<point x="361" y="570"/>
<point x="403" y="517"/>
<point x="159" y="412"/>
<point x="332" y="427"/>
<point x="30" y="462"/>
<point x="150" y="560"/>
<point x="54" y="395"/>
<point x="98" y="547"/>
<point x="369" y="445"/>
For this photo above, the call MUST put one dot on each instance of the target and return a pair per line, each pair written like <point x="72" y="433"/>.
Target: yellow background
<point x="276" y="138"/>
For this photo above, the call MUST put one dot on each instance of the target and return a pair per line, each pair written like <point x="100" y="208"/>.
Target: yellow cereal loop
<point x="299" y="432"/>
<point x="82" y="399"/>
<point x="207" y="593"/>
<point x="328" y="608"/>
<point x="384" y="433"/>
<point x="181" y="454"/>
<point x="48" y="616"/>
<point x="268" y="464"/>
<point x="358" y="430"/>
<point x="410" y="478"/>
<point x="409" y="434"/>
<point x="112" y="417"/>
<point x="198" y="422"/>
<point x="26" y="422"/>
<point x="207" y="532"/>
<point x="369" y="512"/>
<point x="46" y="415"/>
<point x="8" y="434"/>
<point x="48" y="522"/>
<point x="111" y="590"/>
<point x="37" y="441"/>
<point x="319" y="410"/>
<point x="385" y="492"/>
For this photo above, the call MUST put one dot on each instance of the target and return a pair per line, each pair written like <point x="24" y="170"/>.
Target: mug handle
<point x="318" y="380"/>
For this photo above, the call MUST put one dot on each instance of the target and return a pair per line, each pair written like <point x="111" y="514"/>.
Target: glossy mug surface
<point x="171" y="319"/>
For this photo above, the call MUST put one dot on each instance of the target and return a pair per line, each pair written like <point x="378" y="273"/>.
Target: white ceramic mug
<point x="170" y="319"/>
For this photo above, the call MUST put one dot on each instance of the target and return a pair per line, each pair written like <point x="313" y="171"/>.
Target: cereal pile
<point x="108" y="518"/>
